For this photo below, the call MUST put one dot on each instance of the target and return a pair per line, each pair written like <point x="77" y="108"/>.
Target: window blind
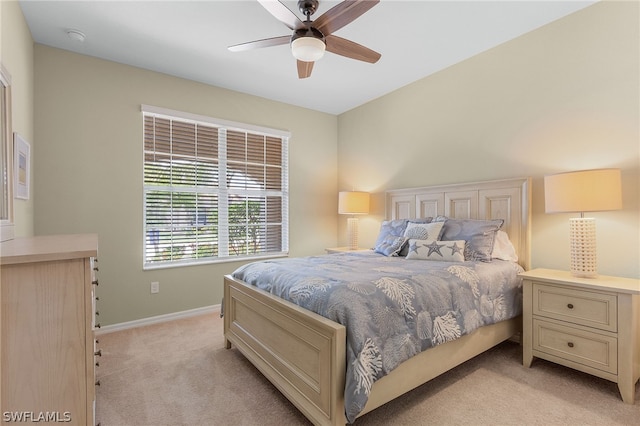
<point x="213" y="191"/>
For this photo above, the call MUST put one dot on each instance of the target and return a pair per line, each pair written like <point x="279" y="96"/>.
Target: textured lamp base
<point x="352" y="233"/>
<point x="582" y="238"/>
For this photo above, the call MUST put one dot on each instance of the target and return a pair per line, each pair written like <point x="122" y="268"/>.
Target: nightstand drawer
<point x="591" y="309"/>
<point x="583" y="347"/>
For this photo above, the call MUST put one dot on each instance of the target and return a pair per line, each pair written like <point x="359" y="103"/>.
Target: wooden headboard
<point x="508" y="199"/>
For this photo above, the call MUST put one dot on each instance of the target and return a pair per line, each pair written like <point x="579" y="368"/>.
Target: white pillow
<point x="503" y="248"/>
<point x="423" y="231"/>
<point x="447" y="251"/>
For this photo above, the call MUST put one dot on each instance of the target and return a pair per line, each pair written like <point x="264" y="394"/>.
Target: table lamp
<point x="583" y="191"/>
<point x="353" y="203"/>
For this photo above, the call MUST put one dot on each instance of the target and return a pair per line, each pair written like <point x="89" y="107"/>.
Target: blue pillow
<point x="391" y="245"/>
<point x="393" y="228"/>
<point x="479" y="235"/>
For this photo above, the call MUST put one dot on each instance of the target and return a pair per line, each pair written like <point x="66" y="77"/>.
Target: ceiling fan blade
<point x="350" y="49"/>
<point x="342" y="14"/>
<point x="282" y="13"/>
<point x="304" y="69"/>
<point x="267" y="42"/>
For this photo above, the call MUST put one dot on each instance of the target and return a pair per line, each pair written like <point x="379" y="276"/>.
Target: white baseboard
<point x="157" y="319"/>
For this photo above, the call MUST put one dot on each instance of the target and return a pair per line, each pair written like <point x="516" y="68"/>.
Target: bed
<point x="306" y="356"/>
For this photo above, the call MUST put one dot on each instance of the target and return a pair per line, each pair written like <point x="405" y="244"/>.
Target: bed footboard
<point x="301" y="353"/>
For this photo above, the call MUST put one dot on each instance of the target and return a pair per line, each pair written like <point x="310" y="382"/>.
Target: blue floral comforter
<point x="392" y="308"/>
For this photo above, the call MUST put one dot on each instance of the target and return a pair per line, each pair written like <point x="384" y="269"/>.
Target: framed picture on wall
<point x="21" y="153"/>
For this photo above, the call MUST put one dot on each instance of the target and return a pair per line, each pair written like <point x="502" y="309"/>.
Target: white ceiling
<point x="189" y="39"/>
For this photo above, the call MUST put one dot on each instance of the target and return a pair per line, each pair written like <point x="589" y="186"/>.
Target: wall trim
<point x="157" y="319"/>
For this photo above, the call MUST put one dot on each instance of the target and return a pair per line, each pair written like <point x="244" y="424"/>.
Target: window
<point x="213" y="190"/>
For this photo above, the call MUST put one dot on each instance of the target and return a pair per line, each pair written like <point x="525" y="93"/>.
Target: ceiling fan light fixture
<point x="308" y="49"/>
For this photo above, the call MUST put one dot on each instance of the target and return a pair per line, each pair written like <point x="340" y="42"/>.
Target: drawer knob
<point x="98" y="352"/>
<point x="570" y="344"/>
<point x="570" y="305"/>
<point x="95" y="282"/>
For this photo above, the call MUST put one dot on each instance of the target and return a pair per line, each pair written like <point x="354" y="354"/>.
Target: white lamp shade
<point x="308" y="49"/>
<point x="353" y="202"/>
<point x="583" y="191"/>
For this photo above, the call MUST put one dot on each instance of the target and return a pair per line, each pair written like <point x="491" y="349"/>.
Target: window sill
<point x="192" y="262"/>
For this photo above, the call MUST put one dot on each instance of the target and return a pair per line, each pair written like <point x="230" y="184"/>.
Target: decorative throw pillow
<point x="393" y="228"/>
<point x="479" y="235"/>
<point x="391" y="245"/>
<point x="423" y="231"/>
<point x="447" y="251"/>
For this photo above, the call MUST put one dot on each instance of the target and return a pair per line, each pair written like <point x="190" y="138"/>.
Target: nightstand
<point x="344" y="249"/>
<point x="589" y="324"/>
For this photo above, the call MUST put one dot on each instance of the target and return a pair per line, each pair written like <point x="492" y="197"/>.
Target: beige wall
<point x="88" y="172"/>
<point x="564" y="97"/>
<point x="16" y="55"/>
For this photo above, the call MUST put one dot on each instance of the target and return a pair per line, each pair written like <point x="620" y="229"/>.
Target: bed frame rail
<point x="303" y="354"/>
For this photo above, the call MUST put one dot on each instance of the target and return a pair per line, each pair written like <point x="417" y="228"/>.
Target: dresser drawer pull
<point x="98" y="352"/>
<point x="95" y="282"/>
<point x="95" y="268"/>
<point x="98" y="325"/>
<point x="570" y="306"/>
<point x="97" y="382"/>
<point x="570" y="344"/>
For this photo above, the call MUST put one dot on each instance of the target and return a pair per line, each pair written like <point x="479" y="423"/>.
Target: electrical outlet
<point x="155" y="287"/>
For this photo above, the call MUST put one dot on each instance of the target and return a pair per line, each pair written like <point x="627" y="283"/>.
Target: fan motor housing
<point x="308" y="32"/>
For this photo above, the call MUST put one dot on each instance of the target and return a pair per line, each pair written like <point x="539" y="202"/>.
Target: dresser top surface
<point x="600" y="282"/>
<point x="48" y="248"/>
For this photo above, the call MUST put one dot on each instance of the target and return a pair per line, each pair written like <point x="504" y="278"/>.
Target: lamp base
<point x="352" y="233"/>
<point x="582" y="240"/>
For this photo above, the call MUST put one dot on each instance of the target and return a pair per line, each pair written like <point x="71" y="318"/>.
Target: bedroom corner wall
<point x="16" y="53"/>
<point x="88" y="170"/>
<point x="563" y="97"/>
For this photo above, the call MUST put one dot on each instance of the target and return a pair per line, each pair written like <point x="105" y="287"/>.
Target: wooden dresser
<point x="47" y="343"/>
<point x="589" y="324"/>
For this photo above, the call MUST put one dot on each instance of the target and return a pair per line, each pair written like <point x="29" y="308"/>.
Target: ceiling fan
<point x="310" y="38"/>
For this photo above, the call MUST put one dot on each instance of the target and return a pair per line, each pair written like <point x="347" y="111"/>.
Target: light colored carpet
<point x="178" y="373"/>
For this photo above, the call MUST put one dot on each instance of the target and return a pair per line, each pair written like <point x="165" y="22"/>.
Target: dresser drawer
<point x="588" y="308"/>
<point x="583" y="347"/>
